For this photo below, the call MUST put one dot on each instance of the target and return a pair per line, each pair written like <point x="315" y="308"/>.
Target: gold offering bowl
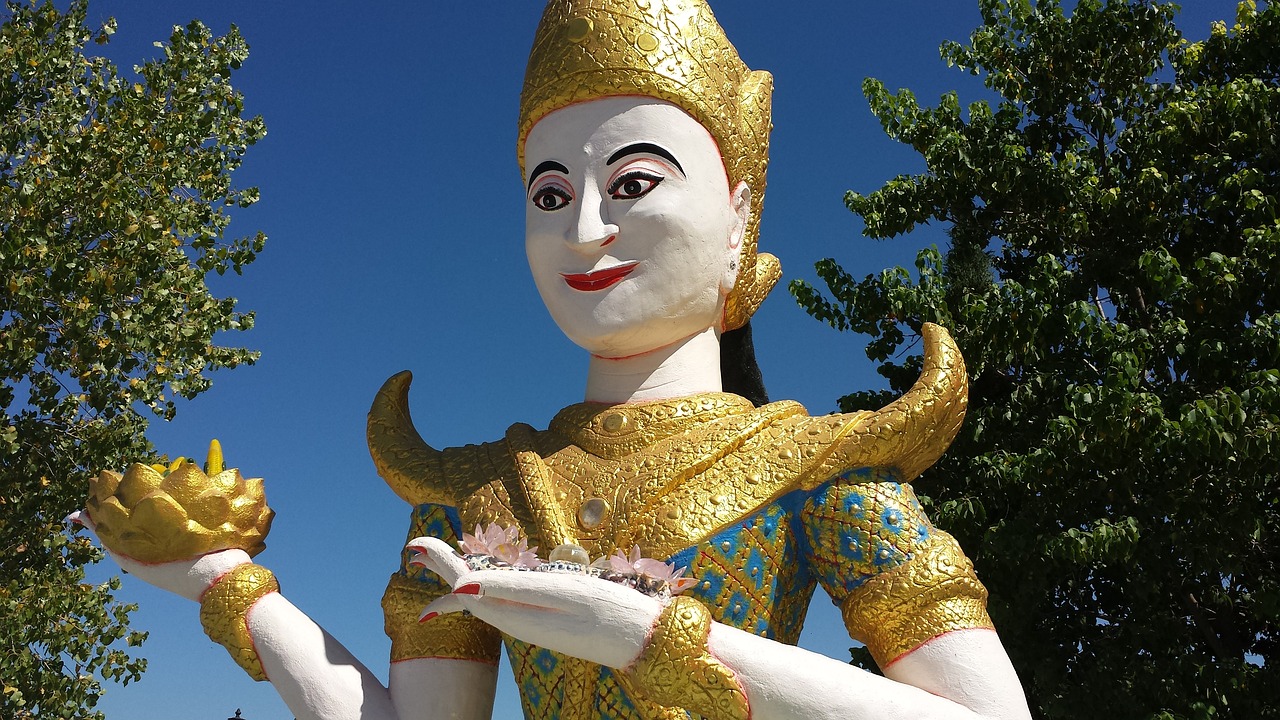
<point x="156" y="514"/>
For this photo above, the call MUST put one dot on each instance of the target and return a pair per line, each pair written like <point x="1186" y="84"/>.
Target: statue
<point x="684" y="528"/>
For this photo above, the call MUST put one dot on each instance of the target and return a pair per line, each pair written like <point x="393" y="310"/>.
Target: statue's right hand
<point x="188" y="578"/>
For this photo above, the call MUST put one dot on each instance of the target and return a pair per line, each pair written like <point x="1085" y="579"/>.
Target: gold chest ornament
<point x="663" y="475"/>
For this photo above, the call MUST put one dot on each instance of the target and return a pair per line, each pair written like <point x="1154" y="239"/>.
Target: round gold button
<point x="647" y="42"/>
<point x="614" y="422"/>
<point x="593" y="513"/>
<point x="578" y="29"/>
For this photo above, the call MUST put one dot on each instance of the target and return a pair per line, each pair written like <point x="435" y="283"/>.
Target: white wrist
<point x="213" y="566"/>
<point x="188" y="578"/>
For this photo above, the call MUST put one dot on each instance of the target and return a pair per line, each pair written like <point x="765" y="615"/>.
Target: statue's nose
<point x="591" y="228"/>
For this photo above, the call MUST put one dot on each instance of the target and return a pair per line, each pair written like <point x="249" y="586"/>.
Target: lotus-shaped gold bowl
<point x="156" y="514"/>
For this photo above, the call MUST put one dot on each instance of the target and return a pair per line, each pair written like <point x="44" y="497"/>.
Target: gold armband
<point x="224" y="609"/>
<point x="453" y="636"/>
<point x="676" y="670"/>
<point x="934" y="592"/>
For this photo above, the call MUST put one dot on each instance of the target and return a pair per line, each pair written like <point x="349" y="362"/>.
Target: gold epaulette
<point x="417" y="472"/>
<point x="452" y="636"/>
<point x="909" y="434"/>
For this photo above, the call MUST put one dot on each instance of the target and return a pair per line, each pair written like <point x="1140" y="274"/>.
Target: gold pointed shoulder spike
<point x="410" y="466"/>
<point x="417" y="472"/>
<point x="912" y="432"/>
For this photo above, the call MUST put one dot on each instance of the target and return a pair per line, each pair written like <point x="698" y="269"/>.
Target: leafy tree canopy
<point x="114" y="200"/>
<point x="1113" y="278"/>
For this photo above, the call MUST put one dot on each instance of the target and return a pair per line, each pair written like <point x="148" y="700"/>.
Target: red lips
<point x="598" y="279"/>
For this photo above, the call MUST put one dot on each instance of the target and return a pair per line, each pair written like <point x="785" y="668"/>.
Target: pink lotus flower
<point x="504" y="544"/>
<point x="635" y="564"/>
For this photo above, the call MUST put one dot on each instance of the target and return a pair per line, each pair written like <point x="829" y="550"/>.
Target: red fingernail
<point x="468" y="589"/>
<point x="428" y="616"/>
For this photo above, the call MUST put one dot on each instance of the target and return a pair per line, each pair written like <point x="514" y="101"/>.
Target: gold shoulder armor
<point x="417" y="472"/>
<point x="909" y="434"/>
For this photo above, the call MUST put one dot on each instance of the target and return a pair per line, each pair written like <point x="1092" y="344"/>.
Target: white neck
<point x="685" y="367"/>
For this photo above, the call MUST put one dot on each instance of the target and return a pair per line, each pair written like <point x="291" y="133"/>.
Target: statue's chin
<point x="621" y="330"/>
<point x="629" y="342"/>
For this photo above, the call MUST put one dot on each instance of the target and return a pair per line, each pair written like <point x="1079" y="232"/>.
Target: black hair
<point x="739" y="371"/>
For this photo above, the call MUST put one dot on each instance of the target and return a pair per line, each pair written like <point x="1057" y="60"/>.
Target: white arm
<point x="960" y="675"/>
<point x="319" y="679"/>
<point x="314" y="674"/>
<point x="970" y="667"/>
<point x="455" y="689"/>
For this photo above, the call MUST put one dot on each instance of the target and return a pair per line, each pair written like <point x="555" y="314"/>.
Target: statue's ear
<point x="740" y="205"/>
<point x="740" y="200"/>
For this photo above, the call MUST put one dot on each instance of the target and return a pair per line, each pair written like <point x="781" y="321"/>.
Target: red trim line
<point x="253" y="644"/>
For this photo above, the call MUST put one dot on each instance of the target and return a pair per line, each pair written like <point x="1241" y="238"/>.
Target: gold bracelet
<point x="676" y="669"/>
<point x="933" y="593"/>
<point x="224" y="609"/>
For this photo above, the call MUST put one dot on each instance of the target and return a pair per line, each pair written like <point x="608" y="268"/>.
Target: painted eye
<point x="634" y="184"/>
<point x="551" y="197"/>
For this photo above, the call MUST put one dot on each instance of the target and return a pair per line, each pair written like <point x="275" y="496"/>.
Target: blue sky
<point x="394" y="210"/>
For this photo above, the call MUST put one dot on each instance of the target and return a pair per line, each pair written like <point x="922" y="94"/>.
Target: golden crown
<point x="672" y="50"/>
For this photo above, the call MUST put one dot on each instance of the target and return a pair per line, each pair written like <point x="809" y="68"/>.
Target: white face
<point x="631" y="229"/>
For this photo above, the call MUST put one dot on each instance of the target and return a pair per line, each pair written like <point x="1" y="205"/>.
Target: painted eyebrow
<point x="644" y="147"/>
<point x="545" y="166"/>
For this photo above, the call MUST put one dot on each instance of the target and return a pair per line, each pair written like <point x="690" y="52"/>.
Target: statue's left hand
<point x="577" y="615"/>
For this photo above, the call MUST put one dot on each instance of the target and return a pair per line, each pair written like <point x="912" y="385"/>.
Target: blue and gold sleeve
<point x="898" y="580"/>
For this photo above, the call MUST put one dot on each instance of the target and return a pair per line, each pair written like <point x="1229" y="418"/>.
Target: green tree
<point x="114" y="200"/>
<point x="1113" y="278"/>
